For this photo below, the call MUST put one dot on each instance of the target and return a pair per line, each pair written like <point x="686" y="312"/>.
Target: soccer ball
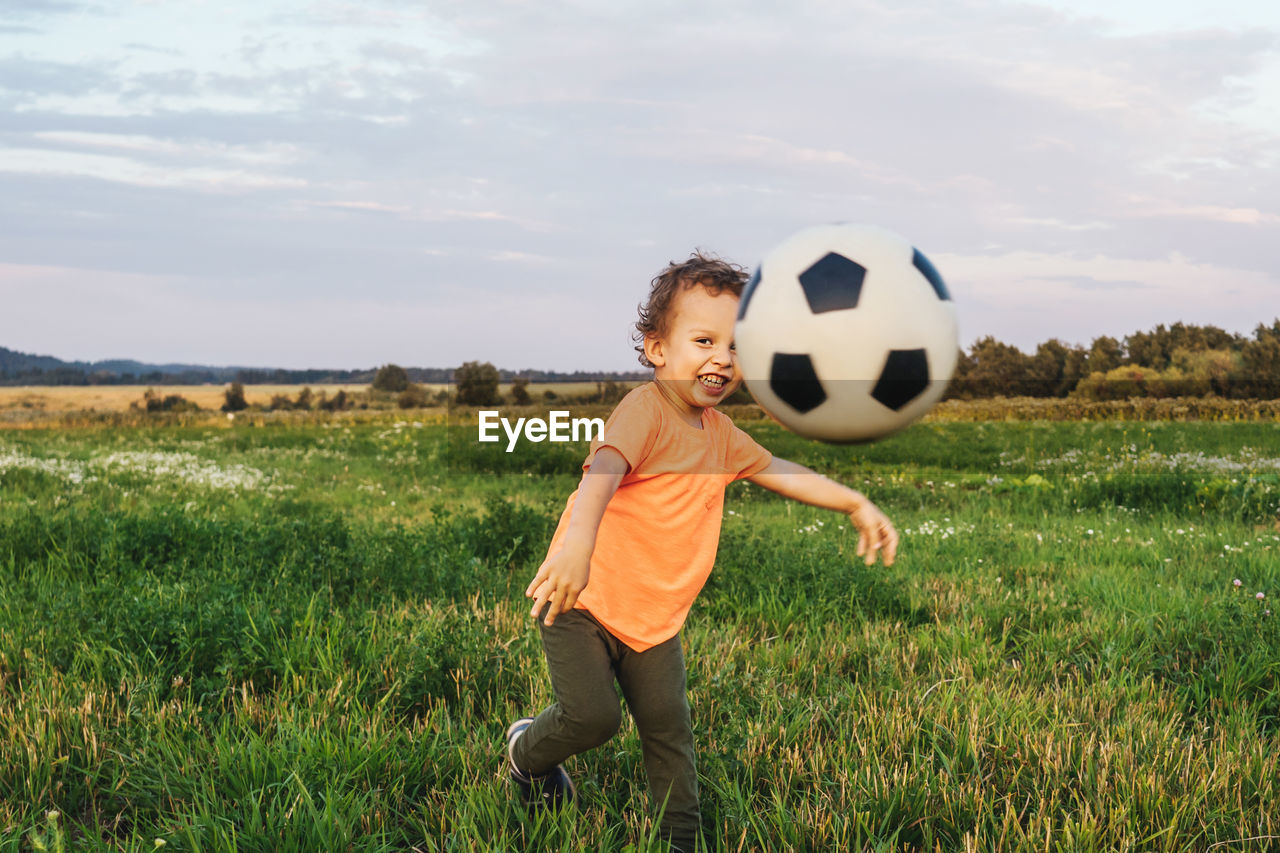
<point x="846" y="333"/>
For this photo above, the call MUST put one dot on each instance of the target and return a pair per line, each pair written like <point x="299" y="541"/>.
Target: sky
<point x="318" y="183"/>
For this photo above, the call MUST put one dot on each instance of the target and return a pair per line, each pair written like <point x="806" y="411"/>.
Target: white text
<point x="557" y="427"/>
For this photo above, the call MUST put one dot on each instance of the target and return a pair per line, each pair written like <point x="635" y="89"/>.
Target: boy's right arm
<point x="565" y="574"/>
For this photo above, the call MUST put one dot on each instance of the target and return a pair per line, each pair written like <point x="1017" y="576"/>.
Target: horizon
<point x="391" y="184"/>
<point x="524" y="369"/>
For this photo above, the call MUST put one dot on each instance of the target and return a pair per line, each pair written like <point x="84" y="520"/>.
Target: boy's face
<point x="694" y="362"/>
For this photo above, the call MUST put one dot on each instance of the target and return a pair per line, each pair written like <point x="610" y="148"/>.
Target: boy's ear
<point x="653" y="351"/>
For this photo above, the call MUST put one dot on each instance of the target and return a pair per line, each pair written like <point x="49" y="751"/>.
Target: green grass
<point x="311" y="637"/>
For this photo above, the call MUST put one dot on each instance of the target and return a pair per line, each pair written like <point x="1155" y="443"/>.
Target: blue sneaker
<point x="550" y="790"/>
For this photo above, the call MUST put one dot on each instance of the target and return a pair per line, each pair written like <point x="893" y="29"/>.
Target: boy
<point x="637" y="541"/>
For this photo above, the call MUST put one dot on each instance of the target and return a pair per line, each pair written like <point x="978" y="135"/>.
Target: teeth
<point x="713" y="381"/>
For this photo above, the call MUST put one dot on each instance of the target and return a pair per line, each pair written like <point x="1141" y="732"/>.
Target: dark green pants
<point x="584" y="660"/>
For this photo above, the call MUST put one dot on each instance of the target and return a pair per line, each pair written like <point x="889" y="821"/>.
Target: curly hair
<point x="708" y="270"/>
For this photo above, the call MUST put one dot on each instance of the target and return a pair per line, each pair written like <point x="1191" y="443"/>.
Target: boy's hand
<point x="559" y="581"/>
<point x="564" y="575"/>
<point x="876" y="534"/>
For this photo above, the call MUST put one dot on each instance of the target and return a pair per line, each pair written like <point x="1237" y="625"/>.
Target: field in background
<point x="311" y="636"/>
<point x="63" y="399"/>
<point x="61" y="404"/>
<point x="117" y="398"/>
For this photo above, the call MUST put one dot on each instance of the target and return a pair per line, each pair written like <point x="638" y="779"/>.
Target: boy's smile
<point x="694" y="362"/>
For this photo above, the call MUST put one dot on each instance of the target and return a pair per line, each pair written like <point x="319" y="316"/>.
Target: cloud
<point x="33" y="77"/>
<point x="296" y="154"/>
<point x="1088" y="282"/>
<point x="1028" y="297"/>
<point x="128" y="170"/>
<point x="35" y="8"/>
<point x="151" y="48"/>
<point x="363" y="206"/>
<point x="1144" y="207"/>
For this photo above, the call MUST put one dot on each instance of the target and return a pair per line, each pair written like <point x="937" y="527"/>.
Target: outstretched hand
<point x="876" y="534"/>
<point x="558" y="582"/>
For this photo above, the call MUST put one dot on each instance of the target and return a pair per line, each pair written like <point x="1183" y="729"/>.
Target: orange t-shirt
<point x="657" y="539"/>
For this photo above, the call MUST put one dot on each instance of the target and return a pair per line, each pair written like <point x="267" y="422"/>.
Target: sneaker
<point x="551" y="789"/>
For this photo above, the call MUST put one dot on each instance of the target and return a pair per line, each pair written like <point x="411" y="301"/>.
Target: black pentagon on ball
<point x="905" y="376"/>
<point x="833" y="283"/>
<point x="748" y="290"/>
<point x="794" y="381"/>
<point x="920" y="262"/>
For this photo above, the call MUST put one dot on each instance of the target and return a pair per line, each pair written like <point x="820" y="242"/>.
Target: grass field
<point x="311" y="636"/>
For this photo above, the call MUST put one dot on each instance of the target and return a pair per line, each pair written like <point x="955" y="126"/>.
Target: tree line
<point x="1180" y="360"/>
<point x="17" y="368"/>
<point x="390" y="387"/>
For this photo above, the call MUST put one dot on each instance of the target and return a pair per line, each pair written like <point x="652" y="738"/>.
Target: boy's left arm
<point x="876" y="534"/>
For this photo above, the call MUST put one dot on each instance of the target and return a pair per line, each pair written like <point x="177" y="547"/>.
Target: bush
<point x="234" y="396"/>
<point x="337" y="403"/>
<point x="413" y="397"/>
<point x="153" y="402"/>
<point x="520" y="392"/>
<point x="391" y="377"/>
<point x="477" y="384"/>
<point x="1123" y="383"/>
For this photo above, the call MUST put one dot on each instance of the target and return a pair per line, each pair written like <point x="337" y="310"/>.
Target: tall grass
<point x="324" y="655"/>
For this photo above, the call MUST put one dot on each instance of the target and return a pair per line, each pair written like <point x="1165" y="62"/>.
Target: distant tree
<point x="520" y="392"/>
<point x="1208" y="371"/>
<point x="1182" y="336"/>
<point x="391" y="377"/>
<point x="234" y="398"/>
<point x="1045" y="375"/>
<point x="1156" y="347"/>
<point x="1074" y="369"/>
<point x="477" y="384"/>
<point x="305" y="400"/>
<point x="280" y="402"/>
<point x="998" y="370"/>
<point x="1260" y="363"/>
<point x="1105" y="354"/>
<point x="1149" y="349"/>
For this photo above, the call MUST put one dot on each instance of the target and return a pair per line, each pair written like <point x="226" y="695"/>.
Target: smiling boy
<point x="636" y="543"/>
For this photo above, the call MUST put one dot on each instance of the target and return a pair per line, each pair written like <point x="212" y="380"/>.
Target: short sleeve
<point x="745" y="456"/>
<point x="630" y="429"/>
